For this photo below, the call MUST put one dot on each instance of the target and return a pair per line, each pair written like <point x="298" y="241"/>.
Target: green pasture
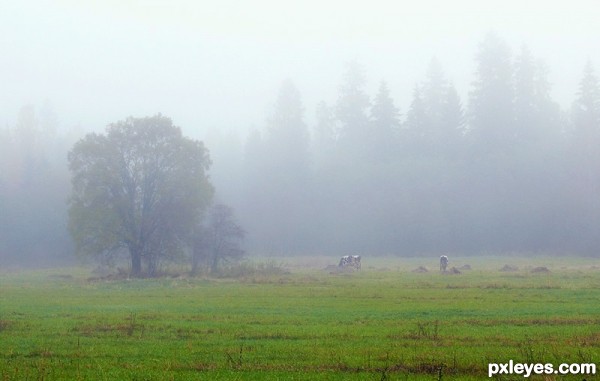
<point x="382" y="323"/>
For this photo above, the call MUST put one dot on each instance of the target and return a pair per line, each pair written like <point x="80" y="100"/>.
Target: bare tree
<point x="218" y="240"/>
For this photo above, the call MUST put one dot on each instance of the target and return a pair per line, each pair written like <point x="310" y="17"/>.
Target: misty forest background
<point x="505" y="170"/>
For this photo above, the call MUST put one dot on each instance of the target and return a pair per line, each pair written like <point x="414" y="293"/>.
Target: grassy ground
<point x="384" y="322"/>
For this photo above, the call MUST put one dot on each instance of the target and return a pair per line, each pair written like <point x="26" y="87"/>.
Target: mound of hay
<point x="331" y="268"/>
<point x="420" y="269"/>
<point x="60" y="276"/>
<point x="509" y="268"/>
<point x="540" y="269"/>
<point x="334" y="270"/>
<point x="452" y="271"/>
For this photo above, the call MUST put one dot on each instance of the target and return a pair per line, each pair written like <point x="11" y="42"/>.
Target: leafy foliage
<point x="139" y="188"/>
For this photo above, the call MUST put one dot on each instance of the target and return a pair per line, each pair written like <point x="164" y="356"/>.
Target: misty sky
<point x="218" y="65"/>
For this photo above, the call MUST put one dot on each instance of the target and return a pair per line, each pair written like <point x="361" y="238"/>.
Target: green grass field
<point x="382" y="323"/>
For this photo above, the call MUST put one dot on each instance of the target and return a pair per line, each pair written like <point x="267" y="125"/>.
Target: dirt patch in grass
<point x="4" y="325"/>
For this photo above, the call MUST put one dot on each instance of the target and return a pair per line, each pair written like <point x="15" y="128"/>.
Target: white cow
<point x="443" y="263"/>
<point x="352" y="261"/>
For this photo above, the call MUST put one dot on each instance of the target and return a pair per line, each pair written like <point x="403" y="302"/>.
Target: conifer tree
<point x="385" y="122"/>
<point x="491" y="98"/>
<point x="351" y="111"/>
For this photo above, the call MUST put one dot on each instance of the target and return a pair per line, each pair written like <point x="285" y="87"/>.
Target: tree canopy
<point x="140" y="188"/>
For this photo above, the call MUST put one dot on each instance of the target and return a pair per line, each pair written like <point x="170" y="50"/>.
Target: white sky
<point x="218" y="65"/>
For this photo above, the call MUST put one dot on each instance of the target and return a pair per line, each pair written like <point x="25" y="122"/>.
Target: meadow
<point x="384" y="322"/>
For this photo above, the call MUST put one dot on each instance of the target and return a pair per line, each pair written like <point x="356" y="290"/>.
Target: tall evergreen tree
<point x="453" y="118"/>
<point x="536" y="115"/>
<point x="324" y="140"/>
<point x="525" y="93"/>
<point x="444" y="112"/>
<point x="586" y="110"/>
<point x="586" y="126"/>
<point x="351" y="110"/>
<point x="434" y="92"/>
<point x="287" y="137"/>
<point x="385" y="122"/>
<point x="254" y="166"/>
<point x="491" y="98"/>
<point x="435" y="120"/>
<point x="278" y="183"/>
<point x="585" y="159"/>
<point x="414" y="134"/>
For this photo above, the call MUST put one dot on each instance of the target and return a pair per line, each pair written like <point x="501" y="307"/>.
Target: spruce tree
<point x="351" y="111"/>
<point x="491" y="98"/>
<point x="385" y="122"/>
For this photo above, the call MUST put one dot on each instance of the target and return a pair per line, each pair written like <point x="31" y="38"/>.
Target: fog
<point x="310" y="150"/>
<point x="196" y="61"/>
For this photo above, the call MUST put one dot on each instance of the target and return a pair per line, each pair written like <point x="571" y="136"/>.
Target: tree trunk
<point x="136" y="262"/>
<point x="215" y="261"/>
<point x="195" y="262"/>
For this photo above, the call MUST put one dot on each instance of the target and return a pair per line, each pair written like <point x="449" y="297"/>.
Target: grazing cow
<point x="350" y="261"/>
<point x="443" y="263"/>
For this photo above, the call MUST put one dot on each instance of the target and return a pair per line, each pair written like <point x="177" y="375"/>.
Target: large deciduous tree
<point x="140" y="187"/>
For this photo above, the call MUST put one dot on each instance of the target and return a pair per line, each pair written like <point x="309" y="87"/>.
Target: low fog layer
<point x="331" y="130"/>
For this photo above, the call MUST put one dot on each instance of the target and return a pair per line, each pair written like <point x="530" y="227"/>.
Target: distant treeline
<point x="34" y="189"/>
<point x="505" y="170"/>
